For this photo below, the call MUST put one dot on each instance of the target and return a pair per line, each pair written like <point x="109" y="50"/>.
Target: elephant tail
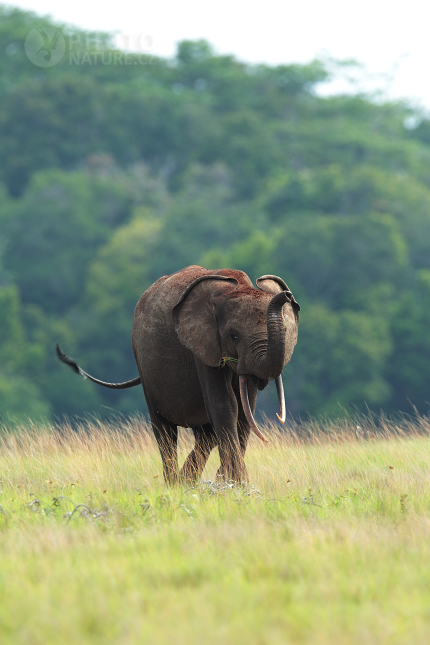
<point x="75" y="367"/>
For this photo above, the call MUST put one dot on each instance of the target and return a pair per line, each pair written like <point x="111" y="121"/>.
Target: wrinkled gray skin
<point x="205" y="342"/>
<point x="183" y="327"/>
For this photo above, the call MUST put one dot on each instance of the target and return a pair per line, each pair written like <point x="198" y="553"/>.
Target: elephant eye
<point x="234" y="337"/>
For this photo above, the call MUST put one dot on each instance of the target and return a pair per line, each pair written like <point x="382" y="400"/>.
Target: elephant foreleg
<point x="166" y="434"/>
<point x="222" y="410"/>
<point x="205" y="441"/>
<point x="243" y="430"/>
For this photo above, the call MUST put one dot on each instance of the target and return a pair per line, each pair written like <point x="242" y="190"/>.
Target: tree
<point x="19" y="395"/>
<point x="52" y="234"/>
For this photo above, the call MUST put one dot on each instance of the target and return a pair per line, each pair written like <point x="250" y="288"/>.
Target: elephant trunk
<point x="270" y="364"/>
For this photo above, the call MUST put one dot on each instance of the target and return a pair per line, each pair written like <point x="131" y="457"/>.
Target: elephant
<point x="205" y="341"/>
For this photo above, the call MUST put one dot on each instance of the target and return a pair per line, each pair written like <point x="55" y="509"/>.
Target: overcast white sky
<point x="391" y="39"/>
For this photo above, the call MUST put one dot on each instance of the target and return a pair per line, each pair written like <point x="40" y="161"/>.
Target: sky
<point x="390" y="40"/>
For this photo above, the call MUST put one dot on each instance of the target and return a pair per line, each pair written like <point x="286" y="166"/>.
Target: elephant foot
<point x="232" y="475"/>
<point x="189" y="475"/>
<point x="232" y="468"/>
<point x="170" y="476"/>
<point x="171" y="481"/>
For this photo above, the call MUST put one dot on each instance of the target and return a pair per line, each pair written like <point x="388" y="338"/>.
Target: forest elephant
<point x="205" y="342"/>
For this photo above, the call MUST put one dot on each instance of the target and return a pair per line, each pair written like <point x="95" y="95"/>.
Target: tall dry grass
<point x="327" y="544"/>
<point x="120" y="455"/>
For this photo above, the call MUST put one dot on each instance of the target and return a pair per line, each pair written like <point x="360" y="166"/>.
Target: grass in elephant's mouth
<point x="328" y="543"/>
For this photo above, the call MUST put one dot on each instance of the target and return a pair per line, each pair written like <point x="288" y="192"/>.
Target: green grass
<point x="329" y="543"/>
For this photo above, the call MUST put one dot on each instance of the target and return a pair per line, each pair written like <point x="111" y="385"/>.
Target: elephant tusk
<point x="243" y="385"/>
<point x="281" y="399"/>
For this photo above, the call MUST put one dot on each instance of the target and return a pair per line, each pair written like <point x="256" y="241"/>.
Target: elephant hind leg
<point x="166" y="434"/>
<point x="205" y="441"/>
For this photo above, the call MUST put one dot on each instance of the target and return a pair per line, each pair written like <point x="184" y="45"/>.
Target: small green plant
<point x="225" y="359"/>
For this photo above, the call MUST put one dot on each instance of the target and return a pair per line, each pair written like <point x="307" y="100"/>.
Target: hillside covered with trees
<point x="112" y="175"/>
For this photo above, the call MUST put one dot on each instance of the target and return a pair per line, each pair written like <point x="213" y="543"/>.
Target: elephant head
<point x="223" y="319"/>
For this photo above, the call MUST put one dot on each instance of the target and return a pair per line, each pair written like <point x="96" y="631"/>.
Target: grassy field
<point x="329" y="543"/>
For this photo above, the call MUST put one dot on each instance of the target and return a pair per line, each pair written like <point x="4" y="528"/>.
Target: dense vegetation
<point x="115" y="174"/>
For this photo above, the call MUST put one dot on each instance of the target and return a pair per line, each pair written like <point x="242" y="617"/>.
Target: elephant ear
<point x="195" y="320"/>
<point x="273" y="284"/>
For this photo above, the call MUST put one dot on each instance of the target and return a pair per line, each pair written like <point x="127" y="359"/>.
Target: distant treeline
<point x="115" y="174"/>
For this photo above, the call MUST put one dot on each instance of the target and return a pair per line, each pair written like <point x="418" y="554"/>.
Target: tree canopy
<point x="116" y="169"/>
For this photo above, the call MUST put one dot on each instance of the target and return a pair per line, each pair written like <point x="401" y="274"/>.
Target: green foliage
<point x="406" y="367"/>
<point x="340" y="360"/>
<point x="115" y="174"/>
<point x="56" y="227"/>
<point x="20" y="396"/>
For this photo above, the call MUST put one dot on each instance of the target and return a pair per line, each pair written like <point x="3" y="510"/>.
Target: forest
<point x="116" y="170"/>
